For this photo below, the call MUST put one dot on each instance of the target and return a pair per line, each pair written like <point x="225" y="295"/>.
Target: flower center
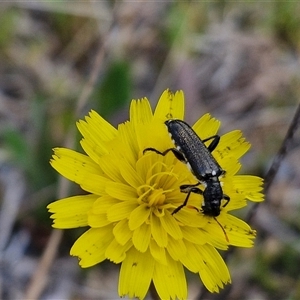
<point x="160" y="181"/>
<point x="157" y="198"/>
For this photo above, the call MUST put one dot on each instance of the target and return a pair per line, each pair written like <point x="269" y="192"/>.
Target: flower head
<point x="132" y="194"/>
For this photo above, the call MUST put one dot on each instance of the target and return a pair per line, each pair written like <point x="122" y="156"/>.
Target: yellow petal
<point x="214" y="259"/>
<point x="176" y="248"/>
<point x="169" y="280"/>
<point x="67" y="223"/>
<point x="71" y="212"/>
<point x="158" y="253"/>
<point x="138" y="216"/>
<point x="158" y="233"/>
<point x="121" y="211"/>
<point x="96" y="128"/>
<point x="249" y="186"/>
<point x="206" y="127"/>
<point x="136" y="274"/>
<point x="116" y="252"/>
<point x="103" y="203"/>
<point x="77" y="161"/>
<point x="232" y="144"/>
<point x="230" y="164"/>
<point x="151" y="164"/>
<point x="94" y="151"/>
<point x="193" y="235"/>
<point x="140" y="119"/>
<point x="154" y="136"/>
<point x="91" y="246"/>
<point x="216" y="242"/>
<point x="130" y="175"/>
<point x="80" y="169"/>
<point x="94" y="184"/>
<point x="215" y="274"/>
<point x="171" y="226"/>
<point x="140" y="112"/>
<point x="122" y="232"/>
<point x="193" y="260"/>
<point x="216" y="233"/>
<point x="103" y="130"/>
<point x="97" y="220"/>
<point x="170" y="106"/>
<point x="191" y="217"/>
<point x="96" y="132"/>
<point x="145" y="165"/>
<point x="109" y="165"/>
<point x="127" y="134"/>
<point x="121" y="191"/>
<point x="239" y="232"/>
<point x="72" y="205"/>
<point x="141" y="237"/>
<point x="236" y="200"/>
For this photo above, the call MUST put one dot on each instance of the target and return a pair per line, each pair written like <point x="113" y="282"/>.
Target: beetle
<point x="191" y="150"/>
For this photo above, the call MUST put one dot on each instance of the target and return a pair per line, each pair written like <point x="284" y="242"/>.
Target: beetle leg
<point x="175" y="151"/>
<point x="227" y="199"/>
<point x="187" y="188"/>
<point x="212" y="146"/>
<point x="154" y="150"/>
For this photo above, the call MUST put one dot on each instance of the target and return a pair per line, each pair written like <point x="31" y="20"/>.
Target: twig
<point x="39" y="279"/>
<point x="282" y="152"/>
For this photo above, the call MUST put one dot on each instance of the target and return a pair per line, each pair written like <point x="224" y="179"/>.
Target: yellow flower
<point x="132" y="195"/>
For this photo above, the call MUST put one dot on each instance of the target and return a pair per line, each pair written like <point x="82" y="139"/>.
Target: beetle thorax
<point x="212" y="195"/>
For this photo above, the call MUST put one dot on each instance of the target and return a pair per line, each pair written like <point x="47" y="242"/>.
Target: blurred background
<point x="237" y="60"/>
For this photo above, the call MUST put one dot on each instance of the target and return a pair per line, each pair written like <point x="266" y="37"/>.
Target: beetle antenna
<point x="222" y="229"/>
